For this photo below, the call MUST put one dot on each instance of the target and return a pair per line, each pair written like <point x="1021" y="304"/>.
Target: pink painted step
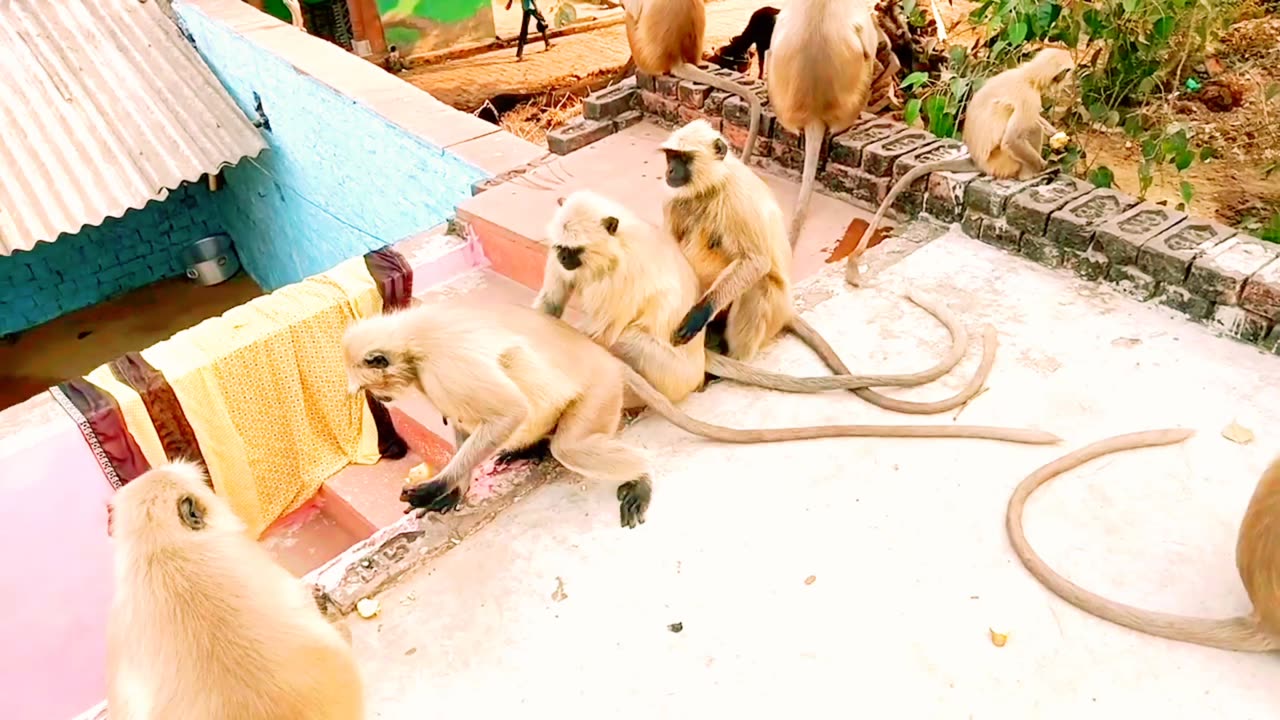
<point x="510" y="219"/>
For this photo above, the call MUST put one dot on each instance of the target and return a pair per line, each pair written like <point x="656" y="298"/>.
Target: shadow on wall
<point x="337" y="180"/>
<point x="418" y="26"/>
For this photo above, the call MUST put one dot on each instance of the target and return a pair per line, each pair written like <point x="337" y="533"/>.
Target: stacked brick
<point x="1205" y="270"/>
<point x="603" y="113"/>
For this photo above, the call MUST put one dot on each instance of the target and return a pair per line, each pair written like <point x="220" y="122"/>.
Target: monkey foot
<point x="633" y="501"/>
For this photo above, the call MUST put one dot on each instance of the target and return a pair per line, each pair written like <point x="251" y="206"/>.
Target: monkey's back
<point x="224" y="634"/>
<point x="988" y="117"/>
<point x="1258" y="550"/>
<point x="819" y="69"/>
<point x="666" y="33"/>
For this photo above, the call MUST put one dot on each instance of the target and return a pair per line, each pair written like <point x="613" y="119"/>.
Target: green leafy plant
<point x="1126" y="50"/>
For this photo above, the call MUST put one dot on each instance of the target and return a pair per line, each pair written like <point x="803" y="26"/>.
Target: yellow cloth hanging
<point x="264" y="388"/>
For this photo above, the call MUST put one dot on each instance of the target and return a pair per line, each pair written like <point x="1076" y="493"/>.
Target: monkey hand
<point x="693" y="323"/>
<point x="441" y="494"/>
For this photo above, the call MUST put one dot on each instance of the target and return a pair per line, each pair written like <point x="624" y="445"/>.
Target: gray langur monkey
<point x="1003" y="132"/>
<point x="508" y="376"/>
<point x="821" y="66"/>
<point x="666" y="36"/>
<point x="204" y="624"/>
<point x="633" y="286"/>
<point x="1257" y="558"/>
<point x="730" y="228"/>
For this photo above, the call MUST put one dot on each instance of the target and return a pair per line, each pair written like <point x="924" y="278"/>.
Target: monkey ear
<point x="560" y="201"/>
<point x="191" y="512"/>
<point x="376" y="360"/>
<point x="721" y="148"/>
<point x="610" y="225"/>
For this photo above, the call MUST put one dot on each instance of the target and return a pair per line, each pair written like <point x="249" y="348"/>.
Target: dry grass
<point x="533" y="119"/>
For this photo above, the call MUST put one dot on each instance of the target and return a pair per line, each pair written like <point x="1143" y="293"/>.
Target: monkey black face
<point x="679" y="168"/>
<point x="570" y="257"/>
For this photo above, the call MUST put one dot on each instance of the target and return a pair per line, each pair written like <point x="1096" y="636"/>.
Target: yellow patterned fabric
<point x="264" y="388"/>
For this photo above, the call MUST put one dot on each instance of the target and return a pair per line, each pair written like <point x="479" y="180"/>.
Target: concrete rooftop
<point x="553" y="608"/>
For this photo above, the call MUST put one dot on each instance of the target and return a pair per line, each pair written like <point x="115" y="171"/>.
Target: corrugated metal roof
<point x="104" y="106"/>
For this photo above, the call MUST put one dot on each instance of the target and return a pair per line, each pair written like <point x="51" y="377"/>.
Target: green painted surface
<point x="442" y="11"/>
<point x="424" y="25"/>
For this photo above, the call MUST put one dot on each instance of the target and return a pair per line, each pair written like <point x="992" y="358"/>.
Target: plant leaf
<point x="1101" y="176"/>
<point x="1183" y="159"/>
<point x="1017" y="33"/>
<point x="914" y="80"/>
<point x="1187" y="191"/>
<point x="911" y="112"/>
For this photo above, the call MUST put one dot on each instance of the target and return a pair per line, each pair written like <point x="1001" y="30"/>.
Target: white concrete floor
<point x="905" y="538"/>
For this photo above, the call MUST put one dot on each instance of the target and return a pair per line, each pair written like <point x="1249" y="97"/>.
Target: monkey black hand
<point x="693" y="323"/>
<point x="438" y="495"/>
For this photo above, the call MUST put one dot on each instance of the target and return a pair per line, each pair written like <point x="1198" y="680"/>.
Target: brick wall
<point x="338" y="180"/>
<point x="120" y="255"/>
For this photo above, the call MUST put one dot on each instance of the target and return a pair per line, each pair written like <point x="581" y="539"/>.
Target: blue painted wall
<point x="120" y="255"/>
<point x="338" y="179"/>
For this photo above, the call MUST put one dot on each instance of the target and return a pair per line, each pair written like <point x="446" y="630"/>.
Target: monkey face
<point x="172" y="500"/>
<point x="581" y="233"/>
<point x="694" y="157"/>
<point x="373" y="364"/>
<point x="679" y="168"/>
<point x="570" y="258"/>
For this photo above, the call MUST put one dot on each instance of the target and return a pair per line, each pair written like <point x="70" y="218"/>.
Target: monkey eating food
<point x="204" y="625"/>
<point x="730" y="228"/>
<point x="821" y="68"/>
<point x="666" y="36"/>
<point x="1257" y="558"/>
<point x="1003" y="133"/>
<point x="633" y="285"/>
<point x="509" y="376"/>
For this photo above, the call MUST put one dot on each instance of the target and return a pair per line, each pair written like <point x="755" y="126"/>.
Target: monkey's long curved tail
<point x="739" y="371"/>
<point x="814" y="133"/>
<point x="819" y="344"/>
<point x="693" y="73"/>
<point x="962" y="162"/>
<point x="677" y="417"/>
<point x="1238" y="633"/>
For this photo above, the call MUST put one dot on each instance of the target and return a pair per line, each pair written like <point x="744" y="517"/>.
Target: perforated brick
<point x="1029" y="210"/>
<point x="998" y="232"/>
<point x="1219" y="273"/>
<point x="1168" y="256"/>
<point x="1075" y="224"/>
<point x="878" y="157"/>
<point x="847" y="147"/>
<point x="945" y="198"/>
<point x="1122" y="237"/>
<point x="1132" y="282"/>
<point x="1184" y="301"/>
<point x="988" y="196"/>
<point x="911" y="201"/>
<point x="1240" y="323"/>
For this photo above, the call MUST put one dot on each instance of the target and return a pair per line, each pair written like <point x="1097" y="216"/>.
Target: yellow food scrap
<point x="1237" y="433"/>
<point x="998" y="639"/>
<point x="1059" y="141"/>
<point x="809" y="580"/>
<point x="368" y="607"/>
<point x="419" y="473"/>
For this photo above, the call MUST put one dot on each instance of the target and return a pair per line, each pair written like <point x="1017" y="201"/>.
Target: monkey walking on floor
<point x="666" y="36"/>
<point x="508" y="376"/>
<point x="736" y="54"/>
<point x="820" y="75"/>
<point x="633" y="286"/>
<point x="1003" y="133"/>
<point x="204" y="625"/>
<point x="730" y="229"/>
<point x="1257" y="558"/>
